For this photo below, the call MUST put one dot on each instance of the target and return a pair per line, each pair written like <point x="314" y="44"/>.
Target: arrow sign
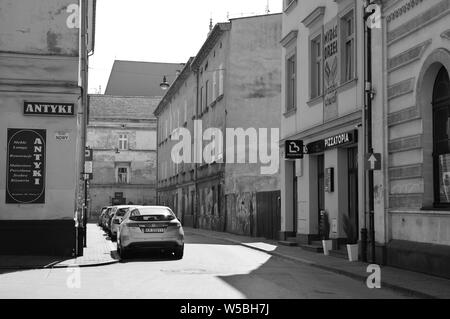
<point x="373" y="162"/>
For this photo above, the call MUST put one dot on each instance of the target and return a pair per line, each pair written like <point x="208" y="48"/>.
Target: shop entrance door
<point x="321" y="187"/>
<point x="353" y="186"/>
<point x="295" y="205"/>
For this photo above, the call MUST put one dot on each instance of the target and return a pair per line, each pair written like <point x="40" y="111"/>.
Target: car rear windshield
<point x="152" y="214"/>
<point x="121" y="212"/>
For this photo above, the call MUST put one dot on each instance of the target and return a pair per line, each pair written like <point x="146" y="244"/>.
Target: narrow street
<point x="218" y="270"/>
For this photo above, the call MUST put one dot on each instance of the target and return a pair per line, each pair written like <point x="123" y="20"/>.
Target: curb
<point x="99" y="264"/>
<point x="393" y="287"/>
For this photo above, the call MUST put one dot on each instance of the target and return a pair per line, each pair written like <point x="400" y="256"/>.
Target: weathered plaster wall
<point x="37" y="27"/>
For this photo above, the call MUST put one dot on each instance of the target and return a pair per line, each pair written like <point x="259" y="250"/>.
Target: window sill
<point x="290" y="6"/>
<point x="290" y="112"/>
<point x="219" y="98"/>
<point x="314" y="101"/>
<point x="347" y="85"/>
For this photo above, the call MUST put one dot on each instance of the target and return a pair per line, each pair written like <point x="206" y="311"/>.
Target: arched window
<point x="441" y="139"/>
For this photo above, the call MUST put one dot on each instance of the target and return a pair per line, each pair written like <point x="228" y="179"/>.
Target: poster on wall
<point x="25" y="182"/>
<point x="331" y="69"/>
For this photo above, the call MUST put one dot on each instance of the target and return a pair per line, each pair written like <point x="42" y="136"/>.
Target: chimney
<point x="210" y="25"/>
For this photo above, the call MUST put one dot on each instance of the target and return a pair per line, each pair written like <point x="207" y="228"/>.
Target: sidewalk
<point x="407" y="282"/>
<point x="99" y="252"/>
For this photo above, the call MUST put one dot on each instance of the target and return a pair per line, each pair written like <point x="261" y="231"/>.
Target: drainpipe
<point x="197" y="197"/>
<point x="370" y="150"/>
<point x="84" y="102"/>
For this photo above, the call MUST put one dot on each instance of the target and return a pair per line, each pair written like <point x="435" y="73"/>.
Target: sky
<point x="159" y="31"/>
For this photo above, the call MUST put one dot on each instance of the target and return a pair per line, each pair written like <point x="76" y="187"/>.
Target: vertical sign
<point x="329" y="180"/>
<point x="26" y="166"/>
<point x="88" y="164"/>
<point x="331" y="69"/>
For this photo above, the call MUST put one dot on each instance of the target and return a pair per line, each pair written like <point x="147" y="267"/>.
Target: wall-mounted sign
<point x="25" y="182"/>
<point x="329" y="180"/>
<point x="62" y="136"/>
<point x="88" y="164"/>
<point x="331" y="142"/>
<point x="294" y="149"/>
<point x="373" y="162"/>
<point x="331" y="69"/>
<point x="49" y="109"/>
<point x="341" y="139"/>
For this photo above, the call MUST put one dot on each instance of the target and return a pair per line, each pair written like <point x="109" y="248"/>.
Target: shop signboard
<point x="26" y="159"/>
<point x="331" y="142"/>
<point x="48" y="109"/>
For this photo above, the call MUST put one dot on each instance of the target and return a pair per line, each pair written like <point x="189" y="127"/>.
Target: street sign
<point x="88" y="167"/>
<point x="373" y="162"/>
<point x="89" y="155"/>
<point x="294" y="149"/>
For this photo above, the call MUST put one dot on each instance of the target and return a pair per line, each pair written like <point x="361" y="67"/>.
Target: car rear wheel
<point x="123" y="254"/>
<point x="179" y="252"/>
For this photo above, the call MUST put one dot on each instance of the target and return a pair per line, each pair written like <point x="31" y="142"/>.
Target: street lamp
<point x="164" y="84"/>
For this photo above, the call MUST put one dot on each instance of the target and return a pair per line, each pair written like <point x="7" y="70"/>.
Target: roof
<point x="210" y="42"/>
<point x="122" y="107"/>
<point x="132" y="78"/>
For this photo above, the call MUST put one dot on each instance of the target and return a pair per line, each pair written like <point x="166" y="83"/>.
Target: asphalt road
<point x="210" y="269"/>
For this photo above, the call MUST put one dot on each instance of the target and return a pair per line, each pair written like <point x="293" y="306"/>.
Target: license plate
<point x="154" y="230"/>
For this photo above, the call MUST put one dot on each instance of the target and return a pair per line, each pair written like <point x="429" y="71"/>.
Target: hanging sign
<point x="331" y="69"/>
<point x="26" y="166"/>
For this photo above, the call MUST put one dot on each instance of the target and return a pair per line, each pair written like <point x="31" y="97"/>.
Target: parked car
<point x="102" y="213"/>
<point x="105" y="217"/>
<point x="150" y="228"/>
<point x="117" y="216"/>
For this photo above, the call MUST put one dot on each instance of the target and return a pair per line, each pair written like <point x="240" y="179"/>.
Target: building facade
<point x="176" y="182"/>
<point x="122" y="136"/>
<point x="41" y="120"/>
<point x="233" y="83"/>
<point x="323" y="102"/>
<point x="409" y="95"/>
<point x="416" y="46"/>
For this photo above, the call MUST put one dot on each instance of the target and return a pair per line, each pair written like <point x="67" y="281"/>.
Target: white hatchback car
<point x="150" y="228"/>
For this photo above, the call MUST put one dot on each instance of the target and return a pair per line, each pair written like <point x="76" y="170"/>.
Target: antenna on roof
<point x="268" y="7"/>
<point x="210" y="24"/>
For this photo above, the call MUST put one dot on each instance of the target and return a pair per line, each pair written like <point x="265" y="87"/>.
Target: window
<point x="214" y="86"/>
<point x="291" y="71"/>
<point x="123" y="142"/>
<point x="123" y="174"/>
<point x="207" y="94"/>
<point x="316" y="67"/>
<point x="201" y="100"/>
<point x="441" y="138"/>
<point x="221" y="79"/>
<point x="348" y="46"/>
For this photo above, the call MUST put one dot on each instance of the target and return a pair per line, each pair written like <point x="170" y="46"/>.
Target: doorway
<point x="352" y="160"/>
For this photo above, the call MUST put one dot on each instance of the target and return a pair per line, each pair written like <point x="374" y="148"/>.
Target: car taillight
<point x="175" y="224"/>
